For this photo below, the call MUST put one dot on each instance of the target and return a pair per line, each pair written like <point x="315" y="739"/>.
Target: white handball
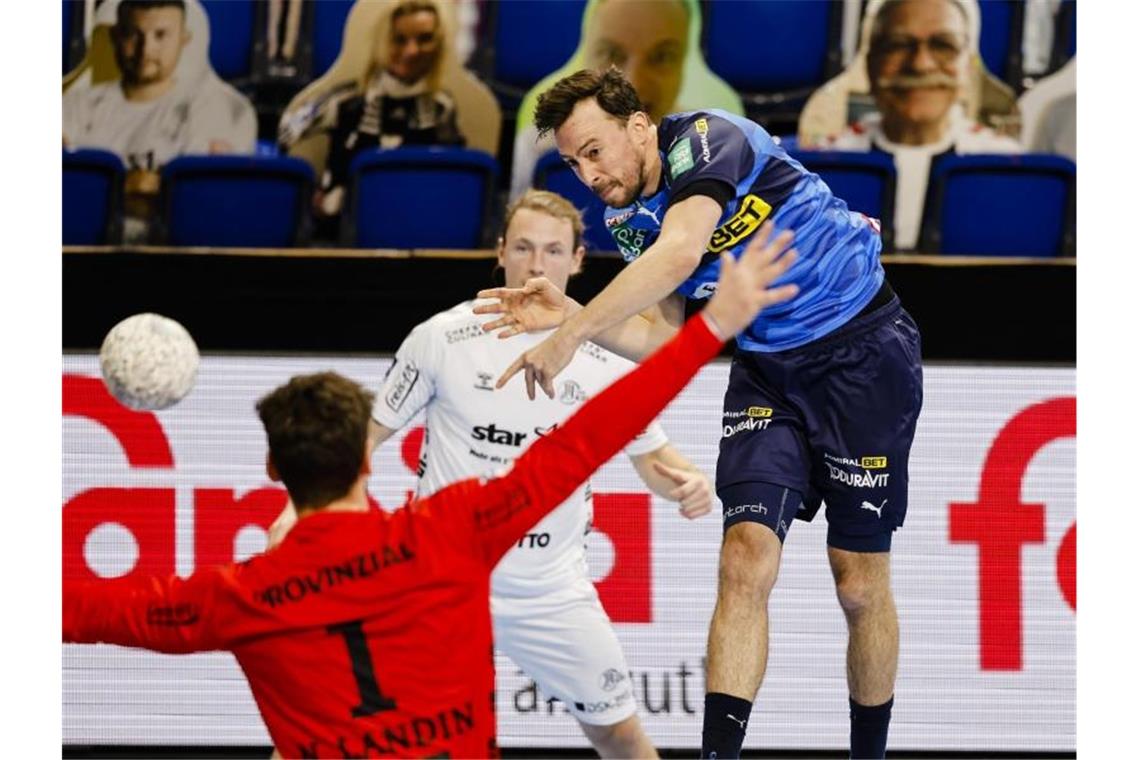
<point x="149" y="362"/>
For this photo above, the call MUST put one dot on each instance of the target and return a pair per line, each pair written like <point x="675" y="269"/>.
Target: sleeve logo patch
<point x="680" y="157"/>
<point x="748" y="218"/>
<point x="402" y="387"/>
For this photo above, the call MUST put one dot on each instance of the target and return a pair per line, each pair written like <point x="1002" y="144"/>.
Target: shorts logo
<point x="752" y="212"/>
<point x="680" y="157"/>
<point x="873" y="463"/>
<point x="610" y="679"/>
<point x="877" y="510"/>
<point x="402" y="386"/>
<point x="755" y="412"/>
<point x="748" y="425"/>
<point x="863" y="479"/>
<point x="705" y="290"/>
<point x="605" y="705"/>
<point x="755" y="509"/>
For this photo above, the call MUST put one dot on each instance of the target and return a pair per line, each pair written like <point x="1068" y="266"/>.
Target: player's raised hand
<point x="745" y="285"/>
<point x="542" y="364"/>
<point x="537" y="305"/>
<point x="693" y="492"/>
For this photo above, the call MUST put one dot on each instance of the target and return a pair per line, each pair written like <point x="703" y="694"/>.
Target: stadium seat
<point x="552" y="173"/>
<point x="530" y="40"/>
<point x="1003" y="25"/>
<point x="239" y="201"/>
<point x="865" y="181"/>
<point x="329" y="18"/>
<point x="419" y="198"/>
<point x="92" y="197"/>
<point x="1064" y="34"/>
<point x="780" y="65"/>
<point x="231" y="37"/>
<point x="1001" y="206"/>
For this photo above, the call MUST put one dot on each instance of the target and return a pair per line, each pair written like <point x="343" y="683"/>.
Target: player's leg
<point x="566" y="643"/>
<point x="861" y="459"/>
<point x="863" y="584"/>
<point x="763" y="457"/>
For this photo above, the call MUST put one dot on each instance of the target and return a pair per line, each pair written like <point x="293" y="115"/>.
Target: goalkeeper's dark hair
<point x="317" y="427"/>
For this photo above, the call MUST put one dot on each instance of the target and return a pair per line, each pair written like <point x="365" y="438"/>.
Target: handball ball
<point x="149" y="362"/>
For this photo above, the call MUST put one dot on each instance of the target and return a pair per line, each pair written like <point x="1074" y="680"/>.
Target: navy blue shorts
<point x="830" y="421"/>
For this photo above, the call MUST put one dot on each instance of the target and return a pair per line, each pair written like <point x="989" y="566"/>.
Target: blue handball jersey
<point x="838" y="271"/>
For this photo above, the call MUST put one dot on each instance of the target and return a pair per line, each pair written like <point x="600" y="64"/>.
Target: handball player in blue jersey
<point x="824" y="390"/>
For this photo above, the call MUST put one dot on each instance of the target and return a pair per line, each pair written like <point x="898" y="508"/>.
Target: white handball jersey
<point x="449" y="365"/>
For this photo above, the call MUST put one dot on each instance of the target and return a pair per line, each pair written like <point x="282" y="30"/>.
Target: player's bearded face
<point x="604" y="152"/>
<point x="149" y="44"/>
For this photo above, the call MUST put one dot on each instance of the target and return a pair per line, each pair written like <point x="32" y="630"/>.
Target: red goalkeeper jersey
<point x="369" y="634"/>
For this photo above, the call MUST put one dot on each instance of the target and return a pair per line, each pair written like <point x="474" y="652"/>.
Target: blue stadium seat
<point x="419" y="198"/>
<point x="528" y="41"/>
<point x="1003" y="23"/>
<point x="865" y="181"/>
<point x="92" y="197"/>
<point x="1001" y="206"/>
<point x="239" y="201"/>
<point x="329" y="17"/>
<point x="231" y="37"/>
<point x="551" y="173"/>
<point x="767" y="47"/>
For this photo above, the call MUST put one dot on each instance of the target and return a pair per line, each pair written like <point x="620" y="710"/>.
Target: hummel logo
<point x="742" y="723"/>
<point x="877" y="510"/>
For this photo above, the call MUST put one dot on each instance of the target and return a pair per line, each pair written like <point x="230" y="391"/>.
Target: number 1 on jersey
<point x="372" y="700"/>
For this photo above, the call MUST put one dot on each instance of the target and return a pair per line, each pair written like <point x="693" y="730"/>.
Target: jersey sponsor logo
<point x="702" y="127"/>
<point x="630" y="242"/>
<point x="297" y="587"/>
<point x="502" y="436"/>
<point x="680" y="157"/>
<point x="172" y="616"/>
<point x="545" y="431"/>
<point x="402" y="386"/>
<point x="610" y="679"/>
<point x="594" y="351"/>
<point x="740" y="509"/>
<point x="747" y="219"/>
<point x="460" y="334"/>
<point x="752" y="411"/>
<point x="618" y="218"/>
<point x="748" y="425"/>
<point x="571" y="393"/>
<point x="483" y="383"/>
<point x="534" y="541"/>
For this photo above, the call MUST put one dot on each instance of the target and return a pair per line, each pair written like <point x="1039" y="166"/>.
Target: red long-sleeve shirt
<point x="368" y="634"/>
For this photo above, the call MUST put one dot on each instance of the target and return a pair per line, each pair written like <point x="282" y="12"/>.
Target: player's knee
<point x="625" y="738"/>
<point x="860" y="592"/>
<point x="749" y="561"/>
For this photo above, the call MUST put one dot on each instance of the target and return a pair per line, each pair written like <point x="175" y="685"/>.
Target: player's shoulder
<point x="454" y="325"/>
<point x="710" y="123"/>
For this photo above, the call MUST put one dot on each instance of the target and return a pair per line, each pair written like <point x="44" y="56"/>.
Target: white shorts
<point x="566" y="643"/>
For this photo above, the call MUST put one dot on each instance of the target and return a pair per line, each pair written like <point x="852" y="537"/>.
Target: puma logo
<point x="742" y="723"/>
<point x="877" y="510"/>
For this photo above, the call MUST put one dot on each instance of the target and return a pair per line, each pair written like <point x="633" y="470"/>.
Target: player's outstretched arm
<point x="543" y="477"/>
<point x="161" y="613"/>
<point x="685" y="232"/>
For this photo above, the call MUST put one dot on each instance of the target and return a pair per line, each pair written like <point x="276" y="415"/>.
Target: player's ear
<point x="271" y="469"/>
<point x="500" y="250"/>
<point x="577" y="258"/>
